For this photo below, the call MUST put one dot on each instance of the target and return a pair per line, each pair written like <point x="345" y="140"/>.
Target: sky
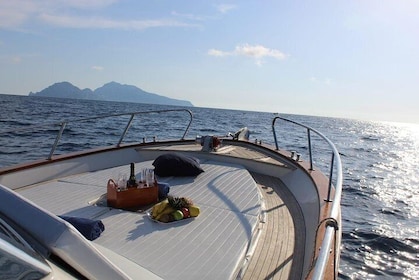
<point x="351" y="59"/>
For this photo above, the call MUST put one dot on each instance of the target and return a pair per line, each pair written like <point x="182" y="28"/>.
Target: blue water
<point x="380" y="189"/>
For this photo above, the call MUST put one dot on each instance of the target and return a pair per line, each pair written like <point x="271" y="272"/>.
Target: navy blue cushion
<point x="164" y="189"/>
<point x="175" y="164"/>
<point x="91" y="229"/>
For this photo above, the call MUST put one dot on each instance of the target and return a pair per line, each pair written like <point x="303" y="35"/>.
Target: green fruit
<point x="178" y="215"/>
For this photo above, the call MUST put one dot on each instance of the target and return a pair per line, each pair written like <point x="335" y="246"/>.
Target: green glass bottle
<point x="132" y="181"/>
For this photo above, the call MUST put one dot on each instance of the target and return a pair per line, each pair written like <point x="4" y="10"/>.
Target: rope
<point x="329" y="222"/>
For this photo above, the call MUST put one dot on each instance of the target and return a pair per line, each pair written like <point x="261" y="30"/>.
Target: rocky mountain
<point x="109" y="92"/>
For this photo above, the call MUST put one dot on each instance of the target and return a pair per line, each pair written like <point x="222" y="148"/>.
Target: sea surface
<point x="380" y="212"/>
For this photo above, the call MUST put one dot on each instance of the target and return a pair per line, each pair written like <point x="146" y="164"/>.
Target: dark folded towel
<point x="91" y="229"/>
<point x="164" y="189"/>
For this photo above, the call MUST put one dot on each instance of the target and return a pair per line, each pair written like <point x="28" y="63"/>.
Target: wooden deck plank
<point x="279" y="252"/>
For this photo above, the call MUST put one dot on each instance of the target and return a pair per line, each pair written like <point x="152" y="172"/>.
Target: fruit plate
<point x="186" y="220"/>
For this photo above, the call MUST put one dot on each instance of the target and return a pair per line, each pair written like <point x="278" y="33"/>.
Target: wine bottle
<point x="132" y="181"/>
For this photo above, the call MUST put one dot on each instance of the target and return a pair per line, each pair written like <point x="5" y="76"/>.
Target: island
<point x="112" y="91"/>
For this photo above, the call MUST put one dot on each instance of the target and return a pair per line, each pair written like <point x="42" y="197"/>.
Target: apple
<point x="185" y="212"/>
<point x="178" y="215"/>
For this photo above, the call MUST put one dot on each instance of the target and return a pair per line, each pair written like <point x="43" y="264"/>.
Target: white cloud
<point x="258" y="52"/>
<point x="215" y="52"/>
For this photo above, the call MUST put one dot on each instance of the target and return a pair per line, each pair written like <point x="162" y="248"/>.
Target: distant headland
<point x="108" y="92"/>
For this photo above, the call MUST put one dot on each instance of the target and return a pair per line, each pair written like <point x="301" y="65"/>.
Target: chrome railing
<point x="62" y="125"/>
<point x="335" y="164"/>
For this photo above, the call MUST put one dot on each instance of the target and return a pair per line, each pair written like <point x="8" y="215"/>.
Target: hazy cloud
<point x="84" y="4"/>
<point x="16" y="59"/>
<point x="190" y="16"/>
<point x="16" y="13"/>
<point x="326" y="81"/>
<point x="258" y="52"/>
<point x="103" y="23"/>
<point x="224" y="8"/>
<point x="97" y="68"/>
<point x="221" y="9"/>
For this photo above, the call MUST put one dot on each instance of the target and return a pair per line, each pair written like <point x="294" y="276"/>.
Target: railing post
<point x="330" y="178"/>
<point x="125" y="130"/>
<point x="274" y="132"/>
<point x="57" y="139"/>
<point x="189" y="125"/>
<point x="309" y="149"/>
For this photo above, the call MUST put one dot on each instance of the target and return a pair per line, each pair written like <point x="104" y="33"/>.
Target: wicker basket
<point x="132" y="197"/>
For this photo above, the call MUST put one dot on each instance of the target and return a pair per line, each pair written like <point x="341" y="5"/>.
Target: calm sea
<point x="380" y="160"/>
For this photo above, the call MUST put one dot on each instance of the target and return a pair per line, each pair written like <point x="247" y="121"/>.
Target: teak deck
<point x="280" y="250"/>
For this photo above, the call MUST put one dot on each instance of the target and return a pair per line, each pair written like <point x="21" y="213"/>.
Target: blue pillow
<point x="175" y="164"/>
<point x="164" y="189"/>
<point x="90" y="229"/>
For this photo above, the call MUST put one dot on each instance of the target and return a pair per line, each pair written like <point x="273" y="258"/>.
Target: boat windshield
<point x="18" y="259"/>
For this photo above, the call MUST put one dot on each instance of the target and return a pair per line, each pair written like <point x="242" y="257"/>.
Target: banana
<point x="169" y="209"/>
<point x="159" y="207"/>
